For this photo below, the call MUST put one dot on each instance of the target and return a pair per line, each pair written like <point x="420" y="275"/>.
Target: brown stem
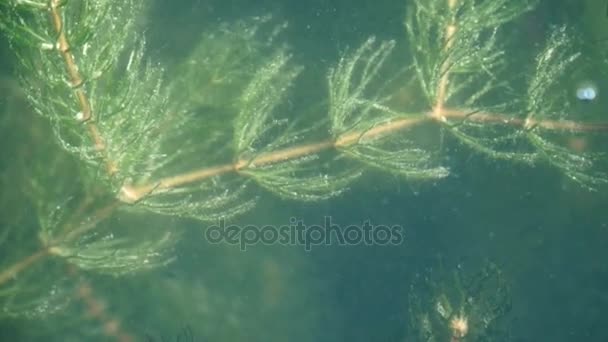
<point x="132" y="194"/>
<point x="97" y="217"/>
<point x="495" y="118"/>
<point x="76" y="82"/>
<point x="23" y="264"/>
<point x="51" y="248"/>
<point x="450" y="30"/>
<point x="96" y="310"/>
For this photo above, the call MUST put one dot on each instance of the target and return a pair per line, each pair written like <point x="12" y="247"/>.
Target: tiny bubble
<point x="47" y="46"/>
<point x="586" y="91"/>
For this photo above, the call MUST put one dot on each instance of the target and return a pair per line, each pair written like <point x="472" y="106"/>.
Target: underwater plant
<point x="444" y="305"/>
<point x="125" y="139"/>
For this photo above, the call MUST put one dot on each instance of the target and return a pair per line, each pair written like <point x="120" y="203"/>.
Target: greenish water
<point x="546" y="234"/>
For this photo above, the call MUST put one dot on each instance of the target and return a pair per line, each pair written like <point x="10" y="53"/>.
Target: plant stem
<point x="76" y="82"/>
<point x="132" y="194"/>
<point x="450" y="30"/>
<point x="23" y="264"/>
<point x="51" y="248"/>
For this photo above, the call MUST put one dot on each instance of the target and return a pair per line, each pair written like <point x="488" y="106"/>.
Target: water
<point x="544" y="233"/>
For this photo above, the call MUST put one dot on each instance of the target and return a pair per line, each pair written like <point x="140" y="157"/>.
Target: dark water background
<point x="547" y="235"/>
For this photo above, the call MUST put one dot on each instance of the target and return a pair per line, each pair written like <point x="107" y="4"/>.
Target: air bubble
<point x="48" y="46"/>
<point x="79" y="116"/>
<point x="586" y="91"/>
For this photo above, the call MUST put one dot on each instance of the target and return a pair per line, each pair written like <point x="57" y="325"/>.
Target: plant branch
<point x="450" y="30"/>
<point x="76" y="82"/>
<point x="50" y="248"/>
<point x="23" y="264"/>
<point x="133" y="194"/>
<point x="111" y="326"/>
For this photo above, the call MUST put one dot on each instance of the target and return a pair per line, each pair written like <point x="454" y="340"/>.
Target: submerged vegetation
<point x="128" y="145"/>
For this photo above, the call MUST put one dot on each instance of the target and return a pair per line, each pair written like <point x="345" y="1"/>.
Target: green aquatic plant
<point x="131" y="138"/>
<point x="459" y="305"/>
